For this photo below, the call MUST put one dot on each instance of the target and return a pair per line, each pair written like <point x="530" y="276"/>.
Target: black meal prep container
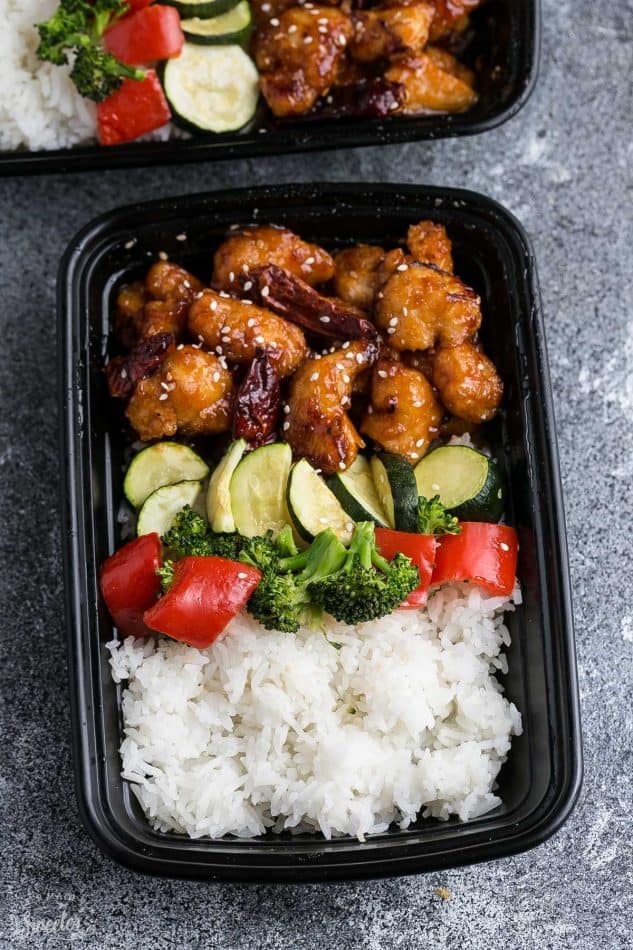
<point x="541" y="780"/>
<point x="504" y="47"/>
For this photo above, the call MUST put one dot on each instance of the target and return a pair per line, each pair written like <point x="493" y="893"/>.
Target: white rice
<point x="39" y="106"/>
<point x="279" y="731"/>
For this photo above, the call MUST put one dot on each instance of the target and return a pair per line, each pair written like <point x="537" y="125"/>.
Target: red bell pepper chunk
<point x="137" y="107"/>
<point x="483" y="553"/>
<point x="145" y="35"/>
<point x="129" y="583"/>
<point x="205" y="594"/>
<point x="420" y="548"/>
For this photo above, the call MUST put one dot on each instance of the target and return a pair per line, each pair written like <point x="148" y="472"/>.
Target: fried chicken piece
<point x="421" y="306"/>
<point x="317" y="425"/>
<point x="361" y="270"/>
<point x="450" y="64"/>
<point x="382" y="31"/>
<point x="404" y="416"/>
<point x="254" y="247"/>
<point x="428" y="88"/>
<point x="292" y="298"/>
<point x="239" y="330"/>
<point x="159" y="305"/>
<point x="191" y="393"/>
<point x="300" y="55"/>
<point x="430" y="244"/>
<point x="467" y="381"/>
<point x="450" y="16"/>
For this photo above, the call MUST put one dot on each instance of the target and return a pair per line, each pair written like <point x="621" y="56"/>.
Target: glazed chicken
<point x="421" y="306"/>
<point x="361" y="270"/>
<point x="190" y="394"/>
<point x="317" y="424"/>
<point x="300" y="55"/>
<point x="467" y="382"/>
<point x="403" y="416"/>
<point x="428" y="87"/>
<point x="254" y="247"/>
<point x="430" y="244"/>
<point x="238" y="330"/>
<point x="381" y="31"/>
<point x="451" y="15"/>
<point x="159" y="305"/>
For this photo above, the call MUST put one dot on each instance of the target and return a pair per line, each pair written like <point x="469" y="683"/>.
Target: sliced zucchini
<point x="397" y="490"/>
<point x="201" y="8"/>
<point x="469" y="483"/>
<point x="162" y="506"/>
<point x="213" y="88"/>
<point x="313" y="506"/>
<point x="234" y="26"/>
<point x="164" y="463"/>
<point x="356" y="490"/>
<point x="219" y="510"/>
<point x="258" y="490"/>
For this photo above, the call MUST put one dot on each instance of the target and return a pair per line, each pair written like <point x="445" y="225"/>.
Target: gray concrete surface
<point x="563" y="166"/>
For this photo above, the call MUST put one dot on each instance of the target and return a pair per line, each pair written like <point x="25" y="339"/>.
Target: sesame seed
<point x="181" y="237"/>
<point x="163" y="255"/>
<point x="322" y="520"/>
<point x="245" y="268"/>
<point x="286" y="409"/>
<point x="265" y="291"/>
<point x="216" y="377"/>
<point x="248" y="285"/>
<point x="124" y="373"/>
<point x="324" y="319"/>
<point x="266" y="7"/>
<point x="292" y="28"/>
<point x="418" y="403"/>
<point x="307" y="40"/>
<point x="420" y="443"/>
<point x="224" y="294"/>
<point x="391" y="330"/>
<point x="504" y="546"/>
<point x="360" y="358"/>
<point x="248" y="302"/>
<point x="345" y="345"/>
<point x="197" y="295"/>
<point x="200" y="338"/>
<point x="272" y="344"/>
<point x="370" y="410"/>
<point x="435" y="487"/>
<point x="180" y="346"/>
<point x="393" y="322"/>
<point x="162" y="397"/>
<point x="129" y="244"/>
<point x="165" y="386"/>
<point x="413" y="455"/>
<point x="341" y="465"/>
<point x="213" y="304"/>
<point x="433" y="429"/>
<point x="259" y="338"/>
<point x="350" y="525"/>
<point x="380" y="295"/>
<point x="286" y="426"/>
<point x="340" y="39"/>
<point x="383" y="374"/>
<point x="402" y="267"/>
<point x="346" y="378"/>
<point x="274" y="21"/>
<point x="500" y="494"/>
<point x="405" y="311"/>
<point x="219" y="350"/>
<point x="318" y="470"/>
<point x="251" y="322"/>
<point x="314" y="377"/>
<point x="309" y="261"/>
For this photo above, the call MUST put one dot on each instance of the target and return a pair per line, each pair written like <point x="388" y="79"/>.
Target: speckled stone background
<point x="563" y="166"/>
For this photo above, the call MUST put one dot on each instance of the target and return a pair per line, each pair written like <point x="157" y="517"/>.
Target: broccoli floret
<point x="97" y="74"/>
<point x="433" y="518"/>
<point x="260" y="552"/>
<point x="367" y="585"/>
<point x="76" y="28"/>
<point x="282" y="600"/>
<point x="190" y="534"/>
<point x="166" y="575"/>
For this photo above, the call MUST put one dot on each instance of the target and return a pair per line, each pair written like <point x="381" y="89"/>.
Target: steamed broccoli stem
<point x="285" y="542"/>
<point x="433" y="518"/>
<point x="367" y="586"/>
<point x="282" y="600"/>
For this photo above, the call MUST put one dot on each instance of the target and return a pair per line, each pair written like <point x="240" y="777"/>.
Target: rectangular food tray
<point x="540" y="782"/>
<point x="505" y="49"/>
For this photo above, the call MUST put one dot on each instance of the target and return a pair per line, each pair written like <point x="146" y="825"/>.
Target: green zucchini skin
<point x="204" y="10"/>
<point x="361" y="502"/>
<point x="449" y="470"/>
<point x="404" y="490"/>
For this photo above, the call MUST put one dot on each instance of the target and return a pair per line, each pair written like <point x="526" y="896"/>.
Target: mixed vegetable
<point x="300" y="518"/>
<point x="146" y="63"/>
